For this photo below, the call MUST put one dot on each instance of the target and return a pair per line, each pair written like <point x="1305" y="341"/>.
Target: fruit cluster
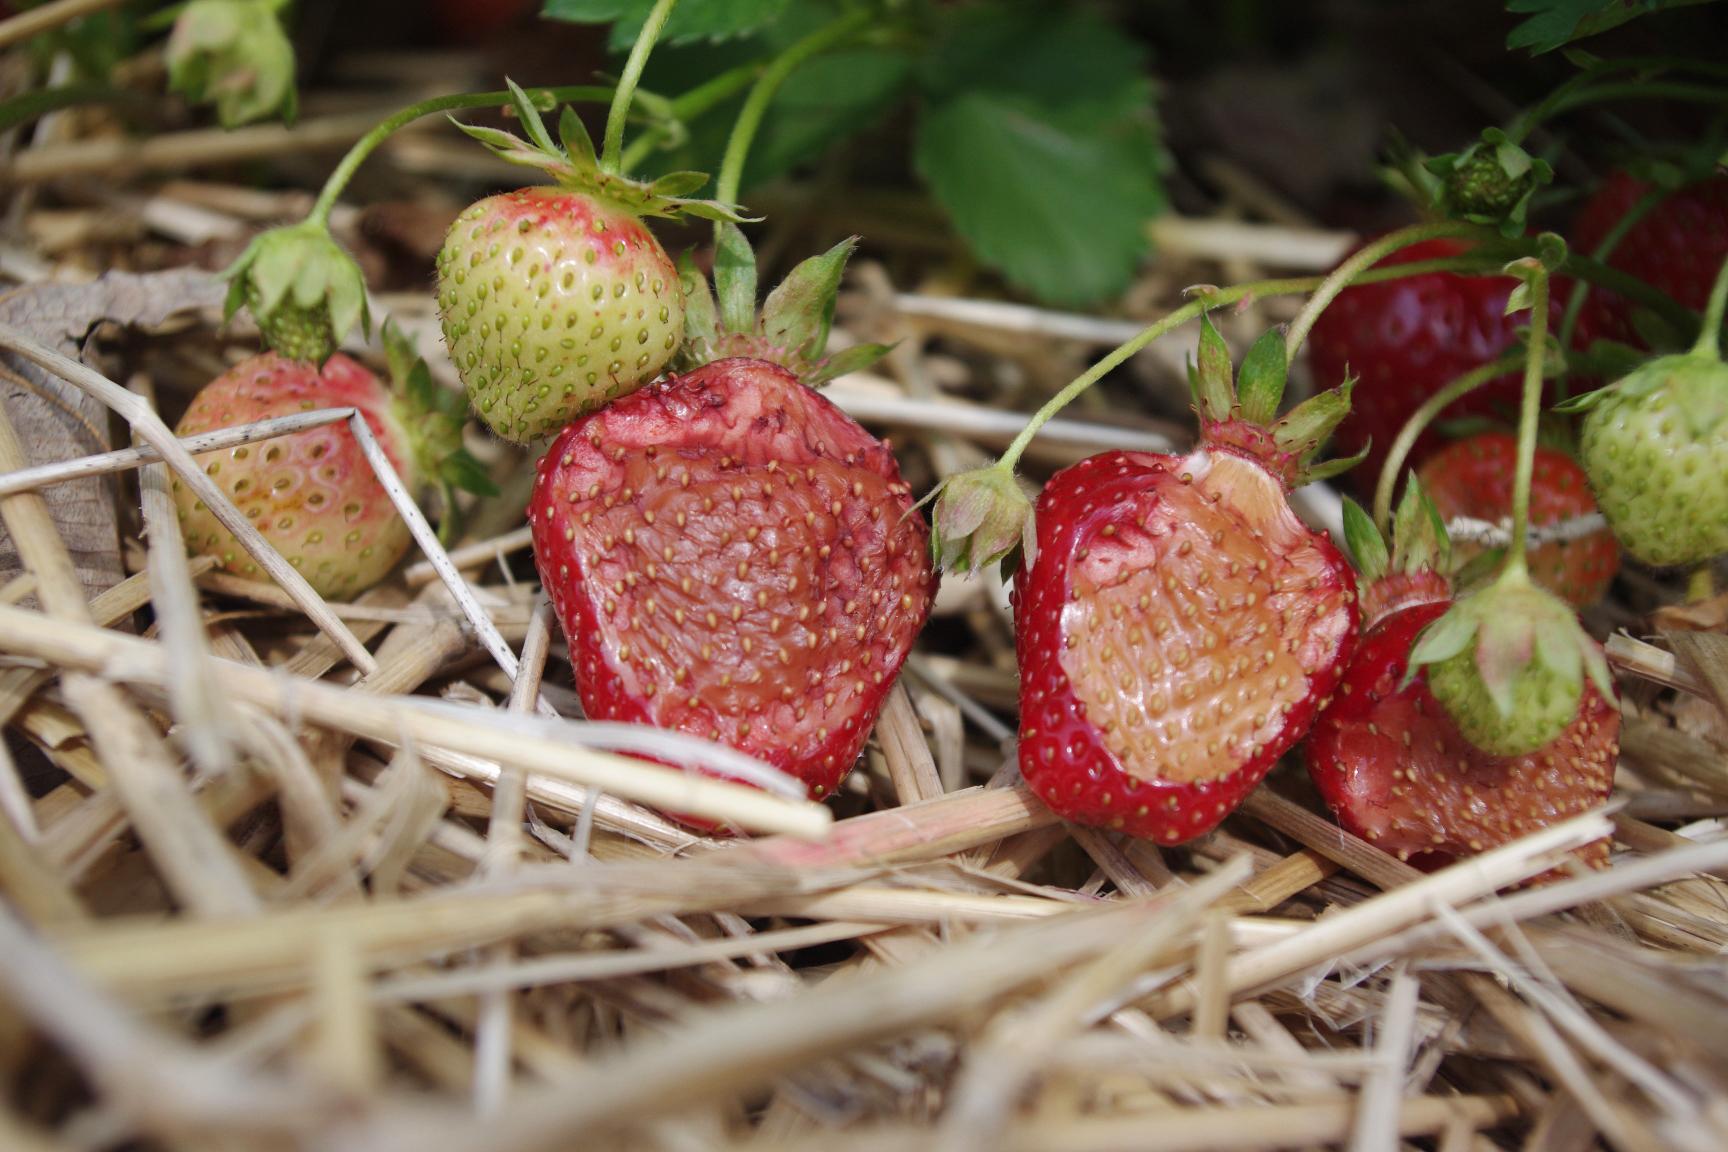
<point x="732" y="556"/>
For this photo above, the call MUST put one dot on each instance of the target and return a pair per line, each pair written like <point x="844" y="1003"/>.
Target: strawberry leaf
<point x="709" y="20"/>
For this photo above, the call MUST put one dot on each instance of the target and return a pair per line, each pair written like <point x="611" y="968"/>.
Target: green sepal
<point x="1214" y="390"/>
<point x="1490" y="182"/>
<point x="980" y="518"/>
<point x="303" y="289"/>
<point x="574" y="165"/>
<point x="854" y="359"/>
<point x="1419" y="537"/>
<point x="1327" y="469"/>
<point x="1261" y="379"/>
<point x="1363" y="543"/>
<point x="1442" y="639"/>
<point x="1308" y="425"/>
<point x="735" y="280"/>
<point x="701" y="321"/>
<point x="799" y="312"/>
<point x="233" y="54"/>
<point x="433" y="418"/>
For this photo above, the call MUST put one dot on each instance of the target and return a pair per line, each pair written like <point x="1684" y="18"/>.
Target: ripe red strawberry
<point x="312" y="494"/>
<point x="734" y="557"/>
<point x="1396" y="771"/>
<point x="555" y="300"/>
<point x="1473" y="477"/>
<point x="1178" y="626"/>
<point x="1406" y="339"/>
<point x="1677" y="246"/>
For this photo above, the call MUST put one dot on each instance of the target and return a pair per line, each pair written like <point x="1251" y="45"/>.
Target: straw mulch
<point x="349" y="876"/>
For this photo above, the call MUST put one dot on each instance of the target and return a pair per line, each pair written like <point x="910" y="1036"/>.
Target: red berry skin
<point x="1473" y="477"/>
<point x="311" y="494"/>
<point x="733" y="557"/>
<point x="1406" y="339"/>
<point x="1177" y="630"/>
<point x="1677" y="247"/>
<point x="1396" y="772"/>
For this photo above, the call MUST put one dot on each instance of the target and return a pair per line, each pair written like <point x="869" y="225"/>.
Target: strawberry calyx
<point x="981" y="517"/>
<point x="1416" y="569"/>
<point x="574" y="164"/>
<point x="432" y="419"/>
<point x="234" y="54"/>
<point x="303" y="289"/>
<point x="792" y="327"/>
<point x="1508" y="664"/>
<point x="1238" y="410"/>
<point x="1490" y="182"/>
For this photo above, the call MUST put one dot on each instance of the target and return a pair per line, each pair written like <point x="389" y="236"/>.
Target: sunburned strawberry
<point x="1396" y="771"/>
<point x="1177" y="625"/>
<point x="732" y="556"/>
<point x="1676" y="247"/>
<point x="312" y="494"/>
<point x="1404" y="340"/>
<point x="556" y="299"/>
<point x="1473" y="477"/>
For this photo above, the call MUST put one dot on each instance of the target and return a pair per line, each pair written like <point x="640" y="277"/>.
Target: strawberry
<point x="1655" y="446"/>
<point x="1396" y="771"/>
<point x="312" y="494"/>
<point x="731" y="555"/>
<point x="1473" y="477"/>
<point x="1676" y="246"/>
<point x="1405" y="340"/>
<point x="556" y="299"/>
<point x="1177" y="626"/>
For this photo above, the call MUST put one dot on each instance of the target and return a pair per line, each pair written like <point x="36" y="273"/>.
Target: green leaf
<point x="701" y="324"/>
<point x="573" y="134"/>
<point x="735" y="280"/>
<point x="1554" y="23"/>
<point x="1046" y="55"/>
<point x="853" y="359"/>
<point x="1214" y="394"/>
<point x="1260" y="383"/>
<point x="1058" y="205"/>
<point x="690" y="21"/>
<point x="463" y="471"/>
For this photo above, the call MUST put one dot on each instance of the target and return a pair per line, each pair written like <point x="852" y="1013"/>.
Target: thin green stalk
<point x="1709" y="340"/>
<point x="1609" y="277"/>
<point x="1360" y="261"/>
<point x="1287" y="286"/>
<point x="369" y="143"/>
<point x="1419" y="421"/>
<point x="1635" y="90"/>
<point x="1529" y="415"/>
<point x="767" y="87"/>
<point x="1581" y="290"/>
<point x="690" y="105"/>
<point x="620" y="111"/>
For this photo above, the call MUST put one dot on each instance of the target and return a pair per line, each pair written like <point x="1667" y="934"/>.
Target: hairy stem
<point x="368" y="144"/>
<point x="1529" y="415"/>
<point x="1359" y="262"/>
<point x="767" y="87"/>
<point x="1288" y="286"/>
<point x="1419" y="421"/>
<point x="620" y="111"/>
<point x="688" y="106"/>
<point x="1581" y="290"/>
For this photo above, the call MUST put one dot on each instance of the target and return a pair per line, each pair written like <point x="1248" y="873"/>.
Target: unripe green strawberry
<point x="1508" y="665"/>
<point x="554" y="302"/>
<point x="557" y="299"/>
<point x="304" y="291"/>
<point x="1655" y="446"/>
<point x="297" y="333"/>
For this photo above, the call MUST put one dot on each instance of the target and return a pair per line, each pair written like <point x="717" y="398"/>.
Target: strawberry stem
<point x="1581" y="290"/>
<point x="768" y="86"/>
<point x="1217" y="298"/>
<point x="687" y="106"/>
<point x="368" y="144"/>
<point x="613" y="147"/>
<point x="1709" y="340"/>
<point x="1360" y="261"/>
<point x="1420" y="419"/>
<point x="1529" y="418"/>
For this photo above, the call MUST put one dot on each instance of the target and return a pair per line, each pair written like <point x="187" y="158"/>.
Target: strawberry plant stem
<point x="367" y="144"/>
<point x="1581" y="290"/>
<point x="1529" y="417"/>
<point x="1360" y="261"/>
<point x="1288" y="286"/>
<point x="1709" y="340"/>
<point x="768" y="86"/>
<point x="687" y="106"/>
<point x="620" y="110"/>
<point x="1419" y="420"/>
